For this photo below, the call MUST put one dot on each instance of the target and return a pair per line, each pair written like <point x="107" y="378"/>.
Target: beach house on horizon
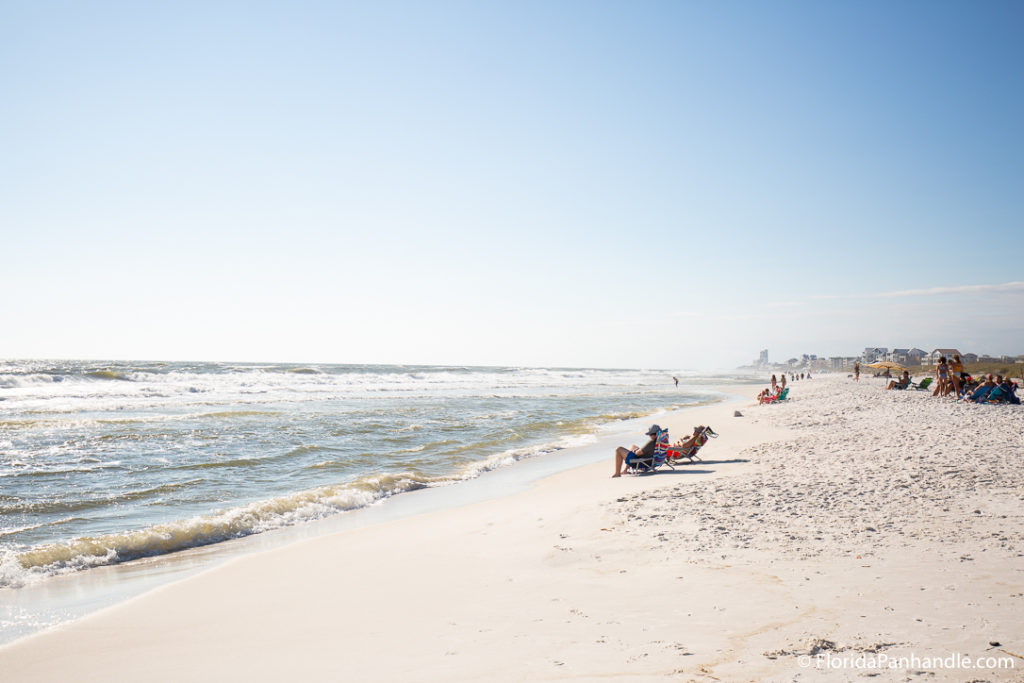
<point x="906" y="356"/>
<point x="916" y="355"/>
<point x="934" y="356"/>
<point x="873" y="353"/>
<point x="897" y="356"/>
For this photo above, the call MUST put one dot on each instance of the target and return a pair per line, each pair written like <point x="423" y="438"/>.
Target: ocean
<point x="106" y="462"/>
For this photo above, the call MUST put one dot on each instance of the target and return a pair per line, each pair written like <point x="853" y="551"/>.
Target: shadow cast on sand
<point x="676" y="471"/>
<point x="711" y="462"/>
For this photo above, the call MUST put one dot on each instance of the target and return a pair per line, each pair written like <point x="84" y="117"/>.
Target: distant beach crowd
<point x="950" y="378"/>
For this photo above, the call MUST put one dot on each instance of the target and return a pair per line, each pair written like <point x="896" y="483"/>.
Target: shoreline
<point x="56" y="600"/>
<point x="798" y="536"/>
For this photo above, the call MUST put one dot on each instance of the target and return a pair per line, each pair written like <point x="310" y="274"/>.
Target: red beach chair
<point x="781" y="396"/>
<point x="675" y="455"/>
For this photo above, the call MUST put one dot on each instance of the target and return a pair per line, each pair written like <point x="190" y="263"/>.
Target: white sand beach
<point x="847" y="527"/>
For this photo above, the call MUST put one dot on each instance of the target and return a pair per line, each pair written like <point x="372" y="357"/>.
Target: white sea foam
<point x="18" y="568"/>
<point x="171" y="456"/>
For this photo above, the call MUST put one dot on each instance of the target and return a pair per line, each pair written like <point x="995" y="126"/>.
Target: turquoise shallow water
<point x="101" y="463"/>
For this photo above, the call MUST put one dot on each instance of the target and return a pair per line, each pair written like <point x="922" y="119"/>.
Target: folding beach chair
<point x="646" y="465"/>
<point x="675" y="455"/>
<point x="923" y="384"/>
<point x="775" y="399"/>
<point x="1003" y="393"/>
<point x="981" y="394"/>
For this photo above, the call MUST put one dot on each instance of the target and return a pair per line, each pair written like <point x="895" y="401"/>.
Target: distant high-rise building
<point x="763" y="360"/>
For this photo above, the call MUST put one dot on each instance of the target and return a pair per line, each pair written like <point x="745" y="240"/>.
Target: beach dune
<point x="846" y="523"/>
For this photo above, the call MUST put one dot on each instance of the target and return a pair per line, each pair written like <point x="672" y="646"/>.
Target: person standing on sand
<point x="856" y="371"/>
<point x="783" y="381"/>
<point x="625" y="456"/>
<point x="956" y="373"/>
<point x="941" y="377"/>
<point x="774" y="382"/>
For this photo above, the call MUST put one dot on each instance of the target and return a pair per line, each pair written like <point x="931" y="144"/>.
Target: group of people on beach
<point x="996" y="389"/>
<point x="773" y="392"/>
<point x="952" y="379"/>
<point x="950" y="376"/>
<point x="628" y="457"/>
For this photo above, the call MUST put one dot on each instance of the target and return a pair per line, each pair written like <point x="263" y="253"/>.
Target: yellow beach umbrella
<point x="886" y="365"/>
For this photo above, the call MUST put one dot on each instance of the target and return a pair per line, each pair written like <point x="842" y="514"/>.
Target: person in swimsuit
<point x="941" y="377"/>
<point x="957" y="374"/>
<point x="684" y="445"/>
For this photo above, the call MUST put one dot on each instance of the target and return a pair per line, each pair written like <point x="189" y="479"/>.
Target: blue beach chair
<point x="647" y="465"/>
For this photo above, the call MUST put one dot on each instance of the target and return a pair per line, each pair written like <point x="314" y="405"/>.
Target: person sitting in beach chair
<point x="769" y="395"/>
<point x="637" y="458"/>
<point x="688" y="448"/>
<point x="777" y="398"/>
<point x="980" y="394"/>
<point x="1011" y="388"/>
<point x="1003" y="392"/>
<point x="902" y="383"/>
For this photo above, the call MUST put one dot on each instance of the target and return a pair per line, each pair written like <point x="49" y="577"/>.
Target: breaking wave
<point x="108" y="461"/>
<point x="20" y="567"/>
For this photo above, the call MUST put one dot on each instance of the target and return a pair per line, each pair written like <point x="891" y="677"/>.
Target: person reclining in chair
<point x="626" y="456"/>
<point x="1003" y="392"/>
<point x="684" y="445"/>
<point x="902" y="383"/>
<point x="980" y="394"/>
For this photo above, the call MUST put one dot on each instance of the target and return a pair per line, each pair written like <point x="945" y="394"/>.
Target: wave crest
<point x="20" y="567"/>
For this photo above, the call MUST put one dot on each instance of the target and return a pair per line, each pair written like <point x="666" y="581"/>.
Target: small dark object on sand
<point x="737" y="414"/>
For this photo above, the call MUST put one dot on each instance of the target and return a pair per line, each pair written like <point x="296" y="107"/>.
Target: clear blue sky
<point x="631" y="184"/>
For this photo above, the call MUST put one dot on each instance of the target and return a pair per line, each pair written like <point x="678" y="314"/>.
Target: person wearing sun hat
<point x="625" y="456"/>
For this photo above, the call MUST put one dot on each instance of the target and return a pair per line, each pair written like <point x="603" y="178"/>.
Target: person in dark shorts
<point x="624" y="456"/>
